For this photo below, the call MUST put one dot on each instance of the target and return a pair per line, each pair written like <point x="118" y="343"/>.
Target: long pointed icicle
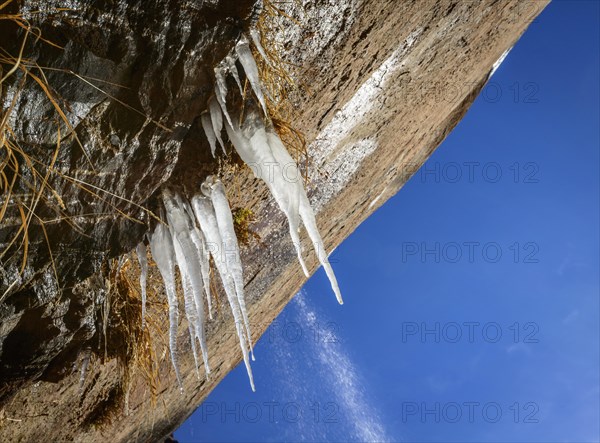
<point x="216" y="119"/>
<point x="242" y="48"/>
<point x="283" y="189"/>
<point x="199" y="241"/>
<point x="191" y="313"/>
<point x="188" y="263"/>
<point x="221" y="90"/>
<point x="207" y="125"/>
<point x="205" y="267"/>
<point x="254" y="34"/>
<point x="306" y="212"/>
<point x="256" y="151"/>
<point x="189" y="306"/>
<point x="230" y="246"/>
<point x="208" y="224"/>
<point x="161" y="245"/>
<point x="232" y="68"/>
<point x="140" y="251"/>
<point x="256" y="146"/>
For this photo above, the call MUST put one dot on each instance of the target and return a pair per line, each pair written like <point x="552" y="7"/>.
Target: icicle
<point x="216" y="119"/>
<point x="232" y="68"/>
<point x="221" y="90"/>
<point x="256" y="151"/>
<point x="285" y="192"/>
<point x="140" y="250"/>
<point x="306" y="212"/>
<point x="256" y="40"/>
<point x="256" y="146"/>
<point x="161" y="245"/>
<point x="242" y="48"/>
<point x="200" y="242"/>
<point x="208" y="225"/>
<point x="310" y="223"/>
<point x="188" y="263"/>
<point x="205" y="268"/>
<point x="191" y="312"/>
<point x="209" y="131"/>
<point x="231" y="249"/>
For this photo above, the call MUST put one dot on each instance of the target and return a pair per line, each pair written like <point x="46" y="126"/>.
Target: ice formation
<point x="141" y="254"/>
<point x="200" y="242"/>
<point x="207" y="125"/>
<point x="189" y="306"/>
<point x="254" y="34"/>
<point x="161" y="245"/>
<point x="242" y="49"/>
<point x="187" y="256"/>
<point x="253" y="154"/>
<point x="205" y="228"/>
<point x="193" y="232"/>
<point x="207" y="218"/>
<point x="230" y="65"/>
<point x="231" y="253"/>
<point x="258" y="145"/>
<point x="217" y="120"/>
<point x="221" y="89"/>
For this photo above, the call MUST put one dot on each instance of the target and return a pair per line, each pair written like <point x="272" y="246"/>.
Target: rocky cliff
<point x="379" y="85"/>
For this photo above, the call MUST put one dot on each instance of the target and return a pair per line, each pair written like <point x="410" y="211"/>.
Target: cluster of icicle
<point x="260" y="147"/>
<point x="195" y="231"/>
<point x="203" y="227"/>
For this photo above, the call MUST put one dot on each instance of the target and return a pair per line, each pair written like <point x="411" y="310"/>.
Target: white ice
<point x="207" y="125"/>
<point x="216" y="119"/>
<point x="189" y="307"/>
<point x="221" y="89"/>
<point x="242" y="48"/>
<point x="140" y="251"/>
<point x="231" y="249"/>
<point x="161" y="245"/>
<point x="200" y="242"/>
<point x="230" y="63"/>
<point x="259" y="157"/>
<point x="498" y="62"/>
<point x="261" y="149"/>
<point x="188" y="261"/>
<point x="256" y="40"/>
<point x="207" y="220"/>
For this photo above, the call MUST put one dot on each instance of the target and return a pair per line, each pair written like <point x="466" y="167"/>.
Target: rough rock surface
<point x="388" y="80"/>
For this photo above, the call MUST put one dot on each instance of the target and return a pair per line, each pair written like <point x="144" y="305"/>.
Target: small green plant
<point x="242" y="218"/>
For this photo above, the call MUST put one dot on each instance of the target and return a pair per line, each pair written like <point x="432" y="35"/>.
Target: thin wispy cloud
<point x="345" y="381"/>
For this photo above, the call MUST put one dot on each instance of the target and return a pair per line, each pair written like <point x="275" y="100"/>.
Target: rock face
<point x="386" y="81"/>
<point x="161" y="54"/>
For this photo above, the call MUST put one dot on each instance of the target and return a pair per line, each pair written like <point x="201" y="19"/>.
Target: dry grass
<point x="26" y="176"/>
<point x="277" y="82"/>
<point x="139" y="350"/>
<point x="141" y="353"/>
<point x="12" y="157"/>
<point x="276" y="78"/>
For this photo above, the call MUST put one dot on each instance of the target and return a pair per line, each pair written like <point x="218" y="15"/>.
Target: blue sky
<point x="471" y="297"/>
